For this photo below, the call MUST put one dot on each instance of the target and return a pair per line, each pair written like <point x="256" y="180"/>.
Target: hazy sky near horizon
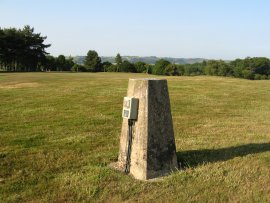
<point x="213" y="29"/>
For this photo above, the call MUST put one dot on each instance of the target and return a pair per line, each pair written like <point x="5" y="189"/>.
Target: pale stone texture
<point x="153" y="151"/>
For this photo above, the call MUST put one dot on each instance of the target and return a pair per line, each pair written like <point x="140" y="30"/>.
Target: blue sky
<point x="213" y="29"/>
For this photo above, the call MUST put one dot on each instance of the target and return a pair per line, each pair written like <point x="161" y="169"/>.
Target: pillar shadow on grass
<point x="195" y="158"/>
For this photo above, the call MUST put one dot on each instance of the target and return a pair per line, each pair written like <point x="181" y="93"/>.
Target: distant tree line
<point x="92" y="63"/>
<point x="257" y="68"/>
<point x="24" y="50"/>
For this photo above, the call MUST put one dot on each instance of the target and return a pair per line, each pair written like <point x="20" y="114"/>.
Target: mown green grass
<point x="60" y="131"/>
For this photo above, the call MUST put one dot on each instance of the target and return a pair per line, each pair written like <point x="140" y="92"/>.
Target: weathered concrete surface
<point x="153" y="151"/>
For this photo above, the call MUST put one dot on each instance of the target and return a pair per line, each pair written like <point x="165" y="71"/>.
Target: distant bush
<point x="194" y="74"/>
<point x="171" y="69"/>
<point x="247" y="74"/>
<point x="160" y="66"/>
<point x="140" y="67"/>
<point x="78" y="68"/>
<point x="257" y="77"/>
<point x="126" y="66"/>
<point x="112" y="68"/>
<point x="105" y="66"/>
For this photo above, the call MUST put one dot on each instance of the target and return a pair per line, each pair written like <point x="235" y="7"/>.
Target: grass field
<point x="60" y="131"/>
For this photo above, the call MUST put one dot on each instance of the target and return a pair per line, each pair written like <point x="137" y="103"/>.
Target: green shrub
<point x="257" y="77"/>
<point x="160" y="66"/>
<point x="193" y="74"/>
<point x="247" y="74"/>
<point x="112" y="68"/>
<point x="78" y="68"/>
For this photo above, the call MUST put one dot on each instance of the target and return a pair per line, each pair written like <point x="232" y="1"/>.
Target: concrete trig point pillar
<point x="153" y="151"/>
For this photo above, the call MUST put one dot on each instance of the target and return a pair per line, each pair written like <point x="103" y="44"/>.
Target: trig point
<point x="147" y="145"/>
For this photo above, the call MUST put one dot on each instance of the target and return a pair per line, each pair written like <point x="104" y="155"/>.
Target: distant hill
<point x="146" y="59"/>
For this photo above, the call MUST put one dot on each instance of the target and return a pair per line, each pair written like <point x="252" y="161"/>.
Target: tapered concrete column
<point x="153" y="151"/>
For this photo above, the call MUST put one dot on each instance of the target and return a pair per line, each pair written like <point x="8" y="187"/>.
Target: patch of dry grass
<point x="19" y="85"/>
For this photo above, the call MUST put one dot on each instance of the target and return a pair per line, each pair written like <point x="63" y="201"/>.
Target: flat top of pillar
<point x="146" y="79"/>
